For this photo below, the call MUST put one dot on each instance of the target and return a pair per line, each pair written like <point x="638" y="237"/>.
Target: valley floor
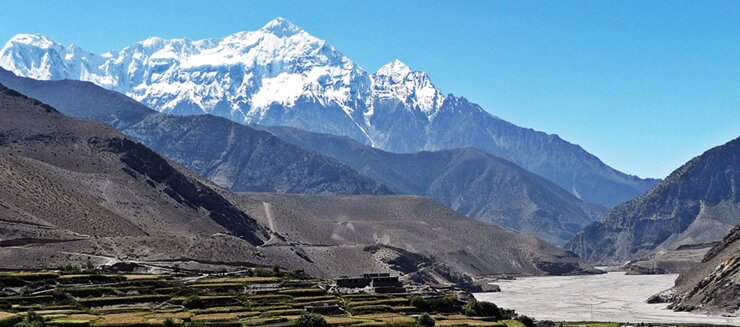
<point x="614" y="296"/>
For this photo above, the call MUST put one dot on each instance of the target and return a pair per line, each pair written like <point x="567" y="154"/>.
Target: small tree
<point x="276" y="270"/>
<point x="425" y="320"/>
<point x="169" y="322"/>
<point x="311" y="320"/>
<point x="89" y="265"/>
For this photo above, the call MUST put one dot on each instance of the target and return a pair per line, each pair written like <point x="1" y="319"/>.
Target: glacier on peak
<point x="38" y="40"/>
<point x="248" y="77"/>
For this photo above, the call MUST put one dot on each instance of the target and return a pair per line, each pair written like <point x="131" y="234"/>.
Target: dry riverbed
<point x="608" y="297"/>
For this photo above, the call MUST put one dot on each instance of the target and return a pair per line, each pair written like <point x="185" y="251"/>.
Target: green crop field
<point x="143" y="300"/>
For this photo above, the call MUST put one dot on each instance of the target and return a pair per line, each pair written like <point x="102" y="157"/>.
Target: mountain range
<point x="697" y="203"/>
<point x="280" y="75"/>
<point x="76" y="190"/>
<point x="471" y="181"/>
<point x="230" y="154"/>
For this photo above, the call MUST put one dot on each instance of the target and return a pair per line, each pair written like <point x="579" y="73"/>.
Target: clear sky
<point x="644" y="85"/>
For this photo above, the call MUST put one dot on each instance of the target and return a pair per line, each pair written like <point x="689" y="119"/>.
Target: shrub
<point x="69" y="268"/>
<point x="311" y="320"/>
<point x="32" y="319"/>
<point x="168" y="322"/>
<point x="437" y="304"/>
<point x="526" y="321"/>
<point x="417" y="301"/>
<point x="425" y="320"/>
<point x="194" y="302"/>
<point x="482" y="309"/>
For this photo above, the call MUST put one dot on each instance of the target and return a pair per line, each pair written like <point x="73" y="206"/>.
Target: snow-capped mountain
<point x="281" y="75"/>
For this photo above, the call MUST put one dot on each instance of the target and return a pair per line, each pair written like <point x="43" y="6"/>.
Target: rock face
<point x="698" y="203"/>
<point x="470" y="181"/>
<point x="714" y="285"/>
<point x="231" y="155"/>
<point x="280" y="75"/>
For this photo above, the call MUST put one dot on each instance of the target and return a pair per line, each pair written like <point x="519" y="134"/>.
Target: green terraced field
<point x="118" y="300"/>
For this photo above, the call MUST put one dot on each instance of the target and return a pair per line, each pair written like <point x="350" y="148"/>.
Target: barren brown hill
<point x="67" y="180"/>
<point x="317" y="224"/>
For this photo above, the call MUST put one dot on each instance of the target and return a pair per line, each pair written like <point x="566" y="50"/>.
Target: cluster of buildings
<point x="376" y="282"/>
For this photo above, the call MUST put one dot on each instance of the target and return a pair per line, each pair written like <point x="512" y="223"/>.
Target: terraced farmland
<point x="119" y="300"/>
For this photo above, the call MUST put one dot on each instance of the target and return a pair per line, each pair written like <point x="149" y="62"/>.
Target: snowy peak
<point x="281" y="27"/>
<point x="397" y="81"/>
<point x="395" y="68"/>
<point x="238" y="76"/>
<point x="35" y="56"/>
<point x="247" y="76"/>
<point x="38" y="40"/>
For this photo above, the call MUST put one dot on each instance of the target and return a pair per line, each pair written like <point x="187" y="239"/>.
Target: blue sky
<point x="644" y="85"/>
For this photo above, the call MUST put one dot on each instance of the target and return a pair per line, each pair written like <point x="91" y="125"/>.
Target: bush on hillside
<point x="526" y="321"/>
<point x="32" y="319"/>
<point x="446" y="303"/>
<point x="425" y="320"/>
<point x="311" y="320"/>
<point x="474" y="308"/>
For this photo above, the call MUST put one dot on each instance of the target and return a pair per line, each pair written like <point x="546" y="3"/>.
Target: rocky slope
<point x="714" y="285"/>
<point x="404" y="232"/>
<point x="281" y="75"/>
<point x="230" y="154"/>
<point x="697" y="203"/>
<point x="668" y="261"/>
<point x="77" y="190"/>
<point x="67" y="180"/>
<point x="470" y="181"/>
